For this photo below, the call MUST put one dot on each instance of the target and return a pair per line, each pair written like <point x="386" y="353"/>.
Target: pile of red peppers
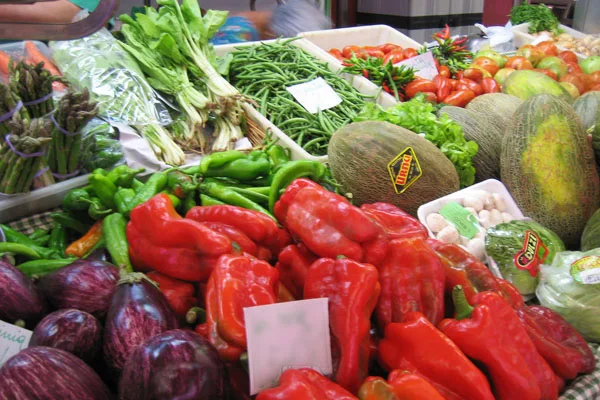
<point x="429" y="313"/>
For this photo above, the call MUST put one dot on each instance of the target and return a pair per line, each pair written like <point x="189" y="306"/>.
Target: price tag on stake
<point x="315" y="95"/>
<point x="287" y="335"/>
<point x="12" y="340"/>
<point x="423" y="64"/>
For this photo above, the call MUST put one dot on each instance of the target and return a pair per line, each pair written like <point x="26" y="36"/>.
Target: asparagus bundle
<point x="9" y="105"/>
<point x="33" y="84"/>
<point x="73" y="112"/>
<point x="21" y="153"/>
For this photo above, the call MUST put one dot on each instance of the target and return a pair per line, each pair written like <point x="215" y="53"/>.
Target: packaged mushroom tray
<point x="463" y="217"/>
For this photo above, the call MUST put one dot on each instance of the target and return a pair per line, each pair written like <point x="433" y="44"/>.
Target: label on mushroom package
<point x="315" y="95"/>
<point x="287" y="335"/>
<point x="466" y="223"/>
<point x="13" y="339"/>
<point x="586" y="270"/>
<point x="423" y="64"/>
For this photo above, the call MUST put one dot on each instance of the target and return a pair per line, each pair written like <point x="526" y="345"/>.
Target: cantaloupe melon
<point x="587" y="108"/>
<point x="547" y="164"/>
<point x="487" y="135"/>
<point x="382" y="162"/>
<point x="496" y="108"/>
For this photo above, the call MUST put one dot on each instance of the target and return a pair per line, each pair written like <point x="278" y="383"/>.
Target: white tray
<point x="522" y="36"/>
<point x="360" y="83"/>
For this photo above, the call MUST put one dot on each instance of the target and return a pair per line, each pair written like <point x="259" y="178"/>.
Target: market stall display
<point x="432" y="229"/>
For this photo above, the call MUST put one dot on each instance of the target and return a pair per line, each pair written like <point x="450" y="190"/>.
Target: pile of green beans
<point x="263" y="72"/>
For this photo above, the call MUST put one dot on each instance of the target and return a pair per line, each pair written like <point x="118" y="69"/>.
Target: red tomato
<point x="362" y="53"/>
<point x="431" y="97"/>
<point x="348" y="50"/>
<point x="568" y="56"/>
<point x="473" y="74"/>
<point x="386" y="48"/>
<point x="472" y="85"/>
<point x="595" y="76"/>
<point x="547" y="72"/>
<point x="548" y="47"/>
<point x="487" y="63"/>
<point x="453" y="84"/>
<point x="419" y="85"/>
<point x="410" y="52"/>
<point x="573" y="68"/>
<point x="459" y="98"/>
<point x="587" y="80"/>
<point x="459" y="75"/>
<point x="337" y="54"/>
<point x="444" y="89"/>
<point x="489" y="85"/>
<point x="518" y="62"/>
<point x="576" y="80"/>
<point x="375" y="53"/>
<point x="444" y="71"/>
<point x="526" y="46"/>
<point x="395" y="56"/>
<point x="595" y="88"/>
<point x="438" y="79"/>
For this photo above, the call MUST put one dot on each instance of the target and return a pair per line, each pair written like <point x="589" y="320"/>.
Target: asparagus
<point x="32" y="83"/>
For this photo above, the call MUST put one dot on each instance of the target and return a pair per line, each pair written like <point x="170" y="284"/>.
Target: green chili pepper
<point x="291" y="171"/>
<point x="219" y="159"/>
<point x="243" y="169"/>
<point x="123" y="175"/>
<point x="180" y="184"/>
<point x="43" y="267"/>
<point x="229" y="196"/>
<point x="254" y="196"/>
<point x="113" y="231"/>
<point x="70" y="222"/>
<point x="189" y="202"/>
<point x="226" y="182"/>
<point x="209" y="201"/>
<point x="123" y="199"/>
<point x="278" y="156"/>
<point x="42" y="241"/>
<point x="38" y="233"/>
<point x="14" y="236"/>
<point x="104" y="189"/>
<point x="261" y="190"/>
<point x="98" y="209"/>
<point x="18" y="249"/>
<point x="174" y="199"/>
<point x="154" y="185"/>
<point x="75" y="200"/>
<point x="137" y="184"/>
<point x="58" y="239"/>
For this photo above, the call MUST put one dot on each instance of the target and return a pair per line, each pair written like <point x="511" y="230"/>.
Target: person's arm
<point x="57" y="12"/>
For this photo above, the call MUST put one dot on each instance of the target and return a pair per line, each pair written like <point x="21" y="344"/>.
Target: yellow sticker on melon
<point x="404" y="170"/>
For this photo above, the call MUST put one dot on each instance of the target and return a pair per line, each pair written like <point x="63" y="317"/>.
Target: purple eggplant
<point x="41" y="373"/>
<point x="137" y="312"/>
<point x="19" y="298"/>
<point x="75" y="331"/>
<point x="176" y="364"/>
<point x="84" y="285"/>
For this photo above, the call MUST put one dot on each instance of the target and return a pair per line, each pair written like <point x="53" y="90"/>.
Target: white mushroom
<point x="473" y="202"/>
<point x="506" y="217"/>
<point x="499" y="202"/>
<point x="472" y="211"/>
<point x="495" y="217"/>
<point x="477" y="248"/>
<point x="485" y="218"/>
<point x="436" y="222"/>
<point x="449" y="235"/>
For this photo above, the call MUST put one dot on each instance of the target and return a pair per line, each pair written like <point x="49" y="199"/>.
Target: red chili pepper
<point x="365" y="73"/>
<point x="490" y="85"/>
<point x="395" y="222"/>
<point x="180" y="295"/>
<point x="293" y="262"/>
<point x="305" y="384"/>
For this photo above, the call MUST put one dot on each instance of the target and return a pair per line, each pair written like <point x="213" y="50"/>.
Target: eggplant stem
<point x="135" y="277"/>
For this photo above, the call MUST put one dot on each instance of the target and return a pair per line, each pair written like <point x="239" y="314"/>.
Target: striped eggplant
<point x="84" y="285"/>
<point x="177" y="364"/>
<point x="75" y="331"/>
<point x="19" y="298"/>
<point x="137" y="312"/>
<point x="42" y="373"/>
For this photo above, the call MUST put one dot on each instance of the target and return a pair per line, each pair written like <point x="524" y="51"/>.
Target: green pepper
<point x="226" y="182"/>
<point x="14" y="236"/>
<point x="123" y="175"/>
<point x="261" y="189"/>
<point x="209" y="201"/>
<point x="113" y="231"/>
<point x="123" y="199"/>
<point x="43" y="267"/>
<point x="254" y="196"/>
<point x="75" y="200"/>
<point x="174" y="199"/>
<point x="189" y="202"/>
<point x="153" y="186"/>
<point x="104" y="189"/>
<point x="58" y="239"/>
<point x="180" y="184"/>
<point x="219" y="159"/>
<point x="291" y="171"/>
<point x="38" y="233"/>
<point x="229" y="196"/>
<point x="42" y="240"/>
<point x="97" y="209"/>
<point x="278" y="156"/>
<point x="137" y="184"/>
<point x="18" y="249"/>
<point x="70" y="222"/>
<point x="243" y="169"/>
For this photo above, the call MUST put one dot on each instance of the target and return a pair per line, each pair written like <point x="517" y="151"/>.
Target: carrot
<point x="4" y="61"/>
<point x="84" y="244"/>
<point x="35" y="56"/>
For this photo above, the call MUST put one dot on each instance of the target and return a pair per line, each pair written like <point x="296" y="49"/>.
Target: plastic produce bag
<point x="100" y="146"/>
<point x="498" y="38"/>
<point x="113" y="78"/>
<point x="571" y="287"/>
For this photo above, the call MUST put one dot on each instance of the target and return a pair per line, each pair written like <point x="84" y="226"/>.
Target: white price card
<point x="423" y="64"/>
<point x="12" y="340"/>
<point x="315" y="95"/>
<point x="287" y="335"/>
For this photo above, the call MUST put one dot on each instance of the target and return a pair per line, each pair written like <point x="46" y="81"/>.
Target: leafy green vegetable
<point x="577" y="302"/>
<point x="540" y="17"/>
<point x="419" y="116"/>
<point x="504" y="242"/>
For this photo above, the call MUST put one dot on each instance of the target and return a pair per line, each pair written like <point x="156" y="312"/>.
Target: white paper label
<point x="12" y="340"/>
<point x="315" y="95"/>
<point x="287" y="335"/>
<point x="423" y="64"/>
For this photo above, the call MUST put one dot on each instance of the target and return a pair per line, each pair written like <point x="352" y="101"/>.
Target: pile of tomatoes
<point x="389" y="52"/>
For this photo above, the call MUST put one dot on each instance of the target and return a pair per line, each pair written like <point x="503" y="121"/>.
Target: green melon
<point x="488" y="136"/>
<point x="548" y="166"/>
<point x="588" y="109"/>
<point x="590" y="238"/>
<point x="496" y="108"/>
<point x="362" y="153"/>
<point x="526" y="83"/>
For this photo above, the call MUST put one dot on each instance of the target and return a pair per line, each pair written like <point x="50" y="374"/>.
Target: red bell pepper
<point x="305" y="384"/>
<point x="259" y="227"/>
<point x="412" y="279"/>
<point x="292" y="263"/>
<point x="352" y="289"/>
<point x="180" y="295"/>
<point x="415" y="345"/>
<point x="494" y="336"/>
<point x="328" y="224"/>
<point x="402" y="385"/>
<point x="236" y="236"/>
<point x="237" y="281"/>
<point x="559" y="343"/>
<point x="395" y="222"/>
